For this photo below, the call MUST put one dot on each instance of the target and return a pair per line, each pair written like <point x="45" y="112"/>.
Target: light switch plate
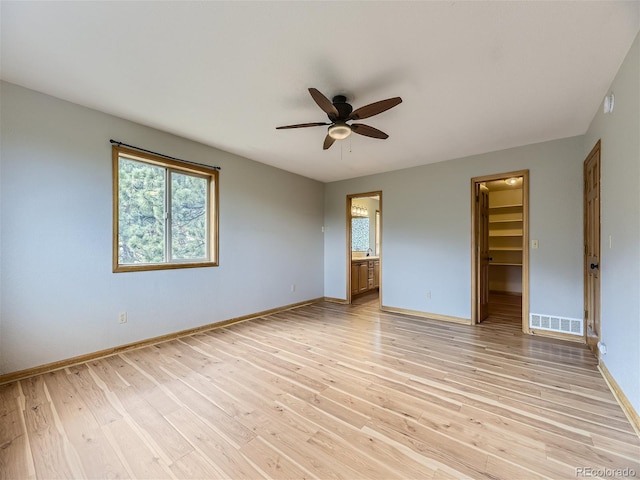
<point x="534" y="243"/>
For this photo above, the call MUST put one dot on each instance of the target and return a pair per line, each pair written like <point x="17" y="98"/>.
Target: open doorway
<point x="500" y="255"/>
<point x="364" y="246"/>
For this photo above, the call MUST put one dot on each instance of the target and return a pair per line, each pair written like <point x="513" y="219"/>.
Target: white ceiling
<point x="474" y="76"/>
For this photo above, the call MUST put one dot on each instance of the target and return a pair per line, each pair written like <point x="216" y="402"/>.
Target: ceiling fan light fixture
<point x="339" y="131"/>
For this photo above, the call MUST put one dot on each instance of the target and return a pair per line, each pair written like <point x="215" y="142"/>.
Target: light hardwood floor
<point x="323" y="391"/>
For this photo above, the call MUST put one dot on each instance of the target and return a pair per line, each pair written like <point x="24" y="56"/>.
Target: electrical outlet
<point x="293" y="287"/>
<point x="122" y="317"/>
<point x="428" y="293"/>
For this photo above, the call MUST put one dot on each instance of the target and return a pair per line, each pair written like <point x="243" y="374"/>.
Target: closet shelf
<point x="502" y="207"/>
<point x="505" y="233"/>
<point x="515" y="220"/>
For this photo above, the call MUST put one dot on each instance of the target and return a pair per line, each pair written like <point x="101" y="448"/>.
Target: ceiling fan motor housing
<point x="344" y="109"/>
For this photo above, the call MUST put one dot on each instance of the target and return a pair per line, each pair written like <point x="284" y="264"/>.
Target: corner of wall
<point x="2" y="130"/>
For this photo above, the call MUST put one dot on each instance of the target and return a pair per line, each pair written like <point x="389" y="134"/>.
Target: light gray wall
<point x="620" y="219"/>
<point x="426" y="230"/>
<point x="60" y="298"/>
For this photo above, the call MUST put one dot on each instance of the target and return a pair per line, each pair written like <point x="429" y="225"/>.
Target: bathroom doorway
<point x="364" y="246"/>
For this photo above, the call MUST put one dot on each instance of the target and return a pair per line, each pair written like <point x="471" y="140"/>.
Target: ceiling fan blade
<point x="374" y="108"/>
<point x="303" y="125"/>
<point x="324" y="103"/>
<point x="368" y="131"/>
<point x="328" y="141"/>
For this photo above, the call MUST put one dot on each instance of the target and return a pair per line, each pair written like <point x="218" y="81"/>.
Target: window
<point x="165" y="213"/>
<point x="359" y="234"/>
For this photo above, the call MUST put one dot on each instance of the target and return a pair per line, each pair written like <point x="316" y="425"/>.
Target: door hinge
<point x="586" y="314"/>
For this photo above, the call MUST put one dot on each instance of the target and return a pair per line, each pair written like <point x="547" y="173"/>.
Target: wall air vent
<point x="572" y="326"/>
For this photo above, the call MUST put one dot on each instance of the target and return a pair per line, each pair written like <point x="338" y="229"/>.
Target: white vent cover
<point x="572" y="326"/>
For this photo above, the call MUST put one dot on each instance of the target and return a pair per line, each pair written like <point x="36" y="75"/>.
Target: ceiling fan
<point x="340" y="112"/>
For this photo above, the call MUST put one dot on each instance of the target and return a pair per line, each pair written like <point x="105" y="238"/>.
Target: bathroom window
<point x="359" y="234"/>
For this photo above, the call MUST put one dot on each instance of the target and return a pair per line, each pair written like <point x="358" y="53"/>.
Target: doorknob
<point x="595" y="265"/>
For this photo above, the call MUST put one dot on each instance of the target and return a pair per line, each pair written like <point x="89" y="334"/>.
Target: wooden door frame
<point x="525" y="244"/>
<point x="350" y="197"/>
<point x="593" y="344"/>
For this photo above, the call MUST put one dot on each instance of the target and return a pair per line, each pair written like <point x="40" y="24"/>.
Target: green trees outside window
<point x="188" y="217"/>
